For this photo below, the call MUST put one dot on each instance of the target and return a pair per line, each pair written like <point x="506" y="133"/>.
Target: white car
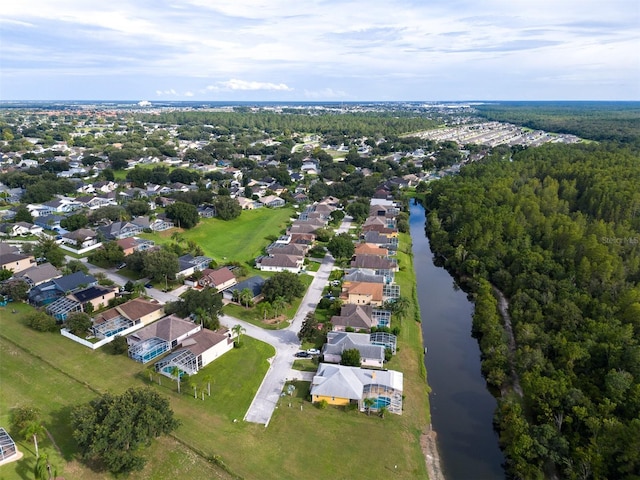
<point x="313" y="351"/>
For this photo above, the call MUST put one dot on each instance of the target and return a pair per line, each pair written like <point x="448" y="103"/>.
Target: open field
<point x="241" y="239"/>
<point x="54" y="374"/>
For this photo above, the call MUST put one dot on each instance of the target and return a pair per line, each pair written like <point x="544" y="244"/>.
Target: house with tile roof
<point x="371" y="355"/>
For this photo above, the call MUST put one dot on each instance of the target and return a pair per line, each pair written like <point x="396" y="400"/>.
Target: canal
<point x="461" y="406"/>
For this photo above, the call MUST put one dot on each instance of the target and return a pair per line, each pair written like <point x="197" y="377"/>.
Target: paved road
<point x="286" y="343"/>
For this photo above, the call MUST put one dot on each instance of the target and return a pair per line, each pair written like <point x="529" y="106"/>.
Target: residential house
<point x="52" y="290"/>
<point x="81" y="238"/>
<point x="98" y="296"/>
<point x="360" y="318"/>
<point x="19" y="229"/>
<point x="295" y="249"/>
<point x="93" y="202"/>
<point x="253" y="284"/>
<point x="219" y="278"/>
<point x="376" y="265"/>
<point x="188" y="264"/>
<point x="138" y="311"/>
<point x="39" y="274"/>
<point x="370" y="249"/>
<point x="272" y="201"/>
<point x="371" y="355"/>
<point x="280" y="263"/>
<point x="134" y="244"/>
<point x="49" y="222"/>
<point x="207" y="211"/>
<point x="159" y="337"/>
<point x="342" y="385"/>
<point x="196" y="352"/>
<point x="119" y="230"/>
<point x="16" y="262"/>
<point x="248" y="203"/>
<point x="362" y="293"/>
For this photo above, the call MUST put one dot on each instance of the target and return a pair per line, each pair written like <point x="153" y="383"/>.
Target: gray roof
<point x="349" y="382"/>
<point x="40" y="273"/>
<point x="168" y="328"/>
<point x="338" y="342"/>
<point x="254" y="284"/>
<point x="357" y="275"/>
<point x="69" y="283"/>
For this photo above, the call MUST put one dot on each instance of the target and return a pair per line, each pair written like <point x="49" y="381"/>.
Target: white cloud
<point x="354" y="46"/>
<point x="171" y="92"/>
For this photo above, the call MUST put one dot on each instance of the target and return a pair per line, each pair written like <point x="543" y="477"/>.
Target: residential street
<point x="286" y="343"/>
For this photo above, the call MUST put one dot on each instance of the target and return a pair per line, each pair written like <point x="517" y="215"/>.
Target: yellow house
<point x="16" y="262"/>
<point x="342" y="385"/>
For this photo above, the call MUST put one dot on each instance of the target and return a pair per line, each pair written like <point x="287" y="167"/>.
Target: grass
<point x="52" y="373"/>
<point x="241" y="239"/>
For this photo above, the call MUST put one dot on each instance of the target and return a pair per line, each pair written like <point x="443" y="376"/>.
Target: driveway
<point x="286" y="343"/>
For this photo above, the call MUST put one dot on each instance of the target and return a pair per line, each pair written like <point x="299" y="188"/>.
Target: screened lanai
<point x="111" y="327"/>
<point x="148" y="349"/>
<point x="183" y="359"/>
<point x="7" y="445"/>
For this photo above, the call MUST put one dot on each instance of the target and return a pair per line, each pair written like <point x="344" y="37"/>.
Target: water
<point x="461" y="406"/>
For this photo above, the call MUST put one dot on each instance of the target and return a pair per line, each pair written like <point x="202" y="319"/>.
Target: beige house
<point x="362" y="293"/>
<point x="16" y="262"/>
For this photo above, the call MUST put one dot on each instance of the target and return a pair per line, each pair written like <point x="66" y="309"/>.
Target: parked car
<point x="121" y="266"/>
<point x="148" y="285"/>
<point x="313" y="351"/>
<point x="302" y="355"/>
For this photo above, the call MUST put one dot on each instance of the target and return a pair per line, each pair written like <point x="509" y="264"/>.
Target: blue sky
<point x="320" y="50"/>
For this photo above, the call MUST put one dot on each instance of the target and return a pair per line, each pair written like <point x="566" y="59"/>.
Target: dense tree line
<point x="557" y="231"/>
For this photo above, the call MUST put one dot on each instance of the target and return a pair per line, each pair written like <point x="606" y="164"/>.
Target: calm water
<point x="461" y="406"/>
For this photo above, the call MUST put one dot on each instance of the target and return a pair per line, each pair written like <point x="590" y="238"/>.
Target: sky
<point x="320" y="50"/>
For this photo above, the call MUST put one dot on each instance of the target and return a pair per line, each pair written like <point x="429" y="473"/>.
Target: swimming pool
<point x="382" y="402"/>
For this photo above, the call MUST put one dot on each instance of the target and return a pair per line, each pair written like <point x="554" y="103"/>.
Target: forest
<point x="556" y="229"/>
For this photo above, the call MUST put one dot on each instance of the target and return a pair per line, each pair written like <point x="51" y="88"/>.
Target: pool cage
<point x="381" y="317"/>
<point x="111" y="327"/>
<point x="183" y="359"/>
<point x="7" y="445"/>
<point x="148" y="349"/>
<point x="383" y="396"/>
<point x="62" y="307"/>
<point x="384" y="339"/>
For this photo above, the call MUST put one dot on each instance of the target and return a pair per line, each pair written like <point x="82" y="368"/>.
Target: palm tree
<point x="207" y="379"/>
<point x="43" y="469"/>
<point x="265" y="309"/>
<point x="368" y="404"/>
<point x="245" y="297"/>
<point x="278" y="305"/>
<point x="401" y="307"/>
<point x="32" y="430"/>
<point x="238" y="330"/>
<point x="382" y="411"/>
<point x="175" y="372"/>
<point x="177" y="237"/>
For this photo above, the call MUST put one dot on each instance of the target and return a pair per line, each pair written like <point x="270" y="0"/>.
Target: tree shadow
<point x="61" y="433"/>
<point x="25" y="466"/>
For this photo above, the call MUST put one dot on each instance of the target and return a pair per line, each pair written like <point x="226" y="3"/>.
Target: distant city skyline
<point x="324" y="50"/>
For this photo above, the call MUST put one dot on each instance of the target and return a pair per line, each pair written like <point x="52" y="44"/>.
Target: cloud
<point x="235" y="84"/>
<point x="325" y="94"/>
<point x="171" y="91"/>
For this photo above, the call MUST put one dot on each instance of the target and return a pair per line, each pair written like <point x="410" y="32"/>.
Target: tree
<point x="78" y="323"/>
<point x="279" y="303"/>
<point x="5" y="274"/>
<point x="41" y="322"/>
<point x="309" y="328"/>
<point x="227" y="208"/>
<point x="283" y="284"/>
<point x="110" y="255"/>
<point x="398" y="306"/>
<point x="183" y="214"/>
<point x="161" y="264"/>
<point x="74" y="266"/>
<point x="238" y="330"/>
<point x="137" y="208"/>
<point x="119" y="345"/>
<point x="176" y="373"/>
<point x="49" y="249"/>
<point x="23" y="215"/>
<point x="245" y="296"/>
<point x="369" y="402"/>
<point x="16" y="288"/>
<point x="112" y="429"/>
<point x="350" y="357"/>
<point x="341" y="246"/>
<point x="205" y="303"/>
<point x="43" y="470"/>
<point x="74" y="222"/>
<point x="28" y="422"/>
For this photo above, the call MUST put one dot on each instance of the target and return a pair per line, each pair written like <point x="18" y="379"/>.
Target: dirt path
<point x="503" y="306"/>
<point x="429" y="444"/>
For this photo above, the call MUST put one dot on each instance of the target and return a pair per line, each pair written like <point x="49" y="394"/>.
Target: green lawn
<point x="53" y="373"/>
<point x="241" y="239"/>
